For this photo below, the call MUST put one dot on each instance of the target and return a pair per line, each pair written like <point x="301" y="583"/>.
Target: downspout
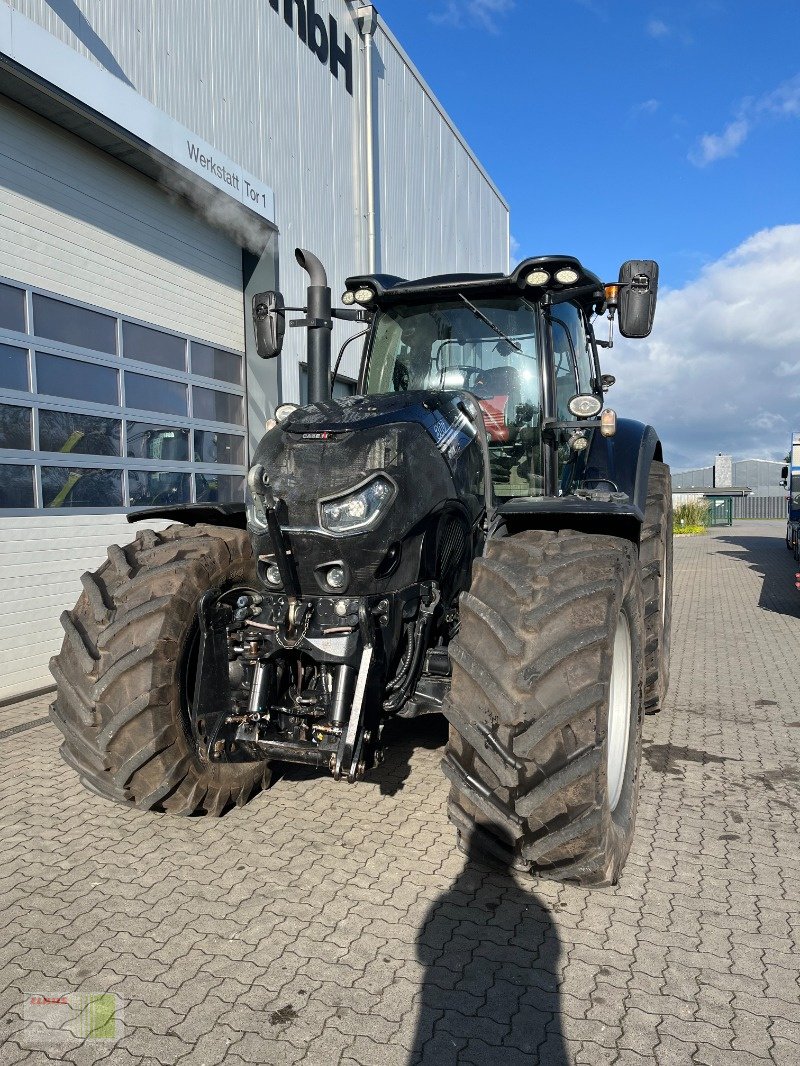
<point x="367" y="23"/>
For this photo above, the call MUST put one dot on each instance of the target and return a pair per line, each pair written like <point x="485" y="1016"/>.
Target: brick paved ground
<point x="326" y="923"/>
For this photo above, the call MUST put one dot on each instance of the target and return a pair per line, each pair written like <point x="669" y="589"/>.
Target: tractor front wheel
<point x="546" y="705"/>
<point x="125" y="672"/>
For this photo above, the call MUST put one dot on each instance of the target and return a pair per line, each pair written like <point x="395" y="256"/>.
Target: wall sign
<point x="322" y="40"/>
<point x="32" y="47"/>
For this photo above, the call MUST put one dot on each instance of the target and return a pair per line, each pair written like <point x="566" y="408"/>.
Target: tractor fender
<point x="617" y="470"/>
<point x="194" y="514"/>
<point x="622" y="463"/>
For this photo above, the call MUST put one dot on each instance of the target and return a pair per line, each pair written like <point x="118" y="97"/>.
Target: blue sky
<point x="666" y="131"/>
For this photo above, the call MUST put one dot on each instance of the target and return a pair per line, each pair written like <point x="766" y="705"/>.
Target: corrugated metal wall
<point x="236" y="74"/>
<point x="79" y="223"/>
<point x="760" y="507"/>
<point x="437" y="210"/>
<point x="761" y="475"/>
<point x="41" y="561"/>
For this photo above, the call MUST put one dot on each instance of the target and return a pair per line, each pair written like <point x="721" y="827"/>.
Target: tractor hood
<point x="425" y="450"/>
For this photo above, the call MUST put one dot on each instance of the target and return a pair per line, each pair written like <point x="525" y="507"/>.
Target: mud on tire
<point x="119" y="701"/>
<point x="655" y="559"/>
<point x="529" y="705"/>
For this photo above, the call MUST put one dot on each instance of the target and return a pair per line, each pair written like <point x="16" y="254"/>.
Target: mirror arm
<point x="551" y="299"/>
<point x="350" y="314"/>
<point x="610" y="342"/>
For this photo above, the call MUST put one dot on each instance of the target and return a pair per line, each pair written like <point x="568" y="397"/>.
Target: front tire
<point x="121" y="703"/>
<point x="546" y="705"/>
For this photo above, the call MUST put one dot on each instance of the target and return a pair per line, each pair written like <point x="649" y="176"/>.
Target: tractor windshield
<point x="484" y="346"/>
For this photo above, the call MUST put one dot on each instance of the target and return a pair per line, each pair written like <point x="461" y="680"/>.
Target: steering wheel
<point x="466" y="372"/>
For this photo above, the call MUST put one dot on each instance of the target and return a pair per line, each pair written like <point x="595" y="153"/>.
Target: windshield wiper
<point x="487" y="321"/>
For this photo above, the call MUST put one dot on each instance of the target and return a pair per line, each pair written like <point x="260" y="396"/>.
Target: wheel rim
<point x="619" y="711"/>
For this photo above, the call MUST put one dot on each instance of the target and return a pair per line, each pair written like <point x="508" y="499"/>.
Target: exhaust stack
<point x="320" y="325"/>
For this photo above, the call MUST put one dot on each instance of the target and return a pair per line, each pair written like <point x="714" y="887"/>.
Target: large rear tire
<point x="655" y="559"/>
<point x="121" y="699"/>
<point x="546" y="705"/>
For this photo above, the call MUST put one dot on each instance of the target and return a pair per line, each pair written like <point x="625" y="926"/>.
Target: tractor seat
<point x="498" y="392"/>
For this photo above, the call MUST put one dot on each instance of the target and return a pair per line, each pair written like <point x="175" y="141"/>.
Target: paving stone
<point x="325" y="924"/>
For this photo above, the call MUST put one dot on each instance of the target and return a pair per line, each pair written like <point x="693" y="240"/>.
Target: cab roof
<point x="587" y="290"/>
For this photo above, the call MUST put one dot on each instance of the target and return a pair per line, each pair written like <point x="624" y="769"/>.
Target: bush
<point x="690" y="517"/>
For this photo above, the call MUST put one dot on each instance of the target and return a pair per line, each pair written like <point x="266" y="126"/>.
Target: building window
<point x="13" y="368"/>
<point x="15" y="427"/>
<point x="215" y="363"/>
<point x="216" y="406"/>
<point x="146" y="441"/>
<point x="157" y="488"/>
<point x="76" y="433"/>
<point x="153" y="346"/>
<point x="212" y="447"/>
<point x="155" y="394"/>
<point x="74" y="379"/>
<point x="69" y="486"/>
<point x="218" y="488"/>
<point x="12" y="308"/>
<point x="16" y="486"/>
<point x="72" y="324"/>
<point x="74" y="428"/>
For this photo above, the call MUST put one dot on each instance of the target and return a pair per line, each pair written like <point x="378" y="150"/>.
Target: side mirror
<point x="638" y="280"/>
<point x="784" y="475"/>
<point x="269" y="321"/>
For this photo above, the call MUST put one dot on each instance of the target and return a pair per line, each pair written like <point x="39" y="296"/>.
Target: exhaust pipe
<point x="320" y="326"/>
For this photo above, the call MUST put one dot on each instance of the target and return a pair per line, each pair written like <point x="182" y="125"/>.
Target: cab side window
<point x="572" y="322"/>
<point x="564" y="367"/>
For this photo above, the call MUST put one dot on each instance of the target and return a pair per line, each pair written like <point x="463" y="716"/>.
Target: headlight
<point x="360" y="509"/>
<point x="256" y="514"/>
<point x="566" y="276"/>
<point x="284" y="410"/>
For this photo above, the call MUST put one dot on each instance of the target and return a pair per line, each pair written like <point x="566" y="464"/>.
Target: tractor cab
<point x="522" y="345"/>
<point x="490" y="349"/>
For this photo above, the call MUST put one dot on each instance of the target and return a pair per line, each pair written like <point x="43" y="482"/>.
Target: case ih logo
<point x="321" y="39"/>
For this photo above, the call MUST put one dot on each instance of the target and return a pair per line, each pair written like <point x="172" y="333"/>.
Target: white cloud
<point x="713" y="375"/>
<point x="483" y="13"/>
<point x="714" y="146"/>
<point x="783" y="102"/>
<point x="514" y="248"/>
<point x="646" y="107"/>
<point x="658" y="28"/>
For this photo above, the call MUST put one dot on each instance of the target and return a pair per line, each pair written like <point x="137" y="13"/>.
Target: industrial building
<point x="758" y="477"/>
<point x="159" y="162"/>
<point x="743" y="488"/>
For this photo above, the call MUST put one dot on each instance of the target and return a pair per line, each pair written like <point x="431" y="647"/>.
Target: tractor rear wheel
<point x="125" y="671"/>
<point x="655" y="559"/>
<point x="546" y="705"/>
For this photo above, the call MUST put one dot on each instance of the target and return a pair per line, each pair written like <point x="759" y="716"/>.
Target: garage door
<point x="121" y="371"/>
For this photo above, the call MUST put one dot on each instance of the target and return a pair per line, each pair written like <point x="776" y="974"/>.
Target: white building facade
<point x="159" y="163"/>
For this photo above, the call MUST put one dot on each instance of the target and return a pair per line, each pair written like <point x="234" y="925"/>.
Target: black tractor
<point x="472" y="534"/>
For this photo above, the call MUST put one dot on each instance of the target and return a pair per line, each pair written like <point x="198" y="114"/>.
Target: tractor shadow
<point x="768" y="557"/>
<point x="492" y="958"/>
<point x="402" y="737"/>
